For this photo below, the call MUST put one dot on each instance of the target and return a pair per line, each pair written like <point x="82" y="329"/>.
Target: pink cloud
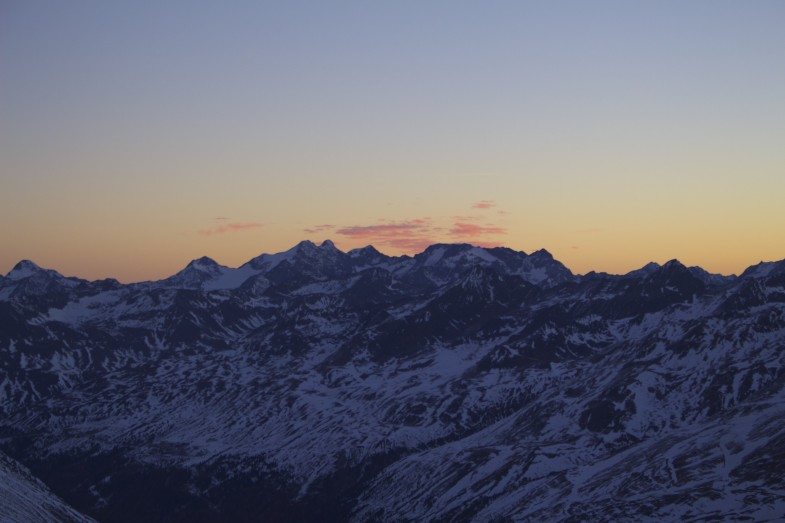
<point x="230" y="227"/>
<point x="412" y="235"/>
<point x="472" y="230"/>
<point x="484" y="204"/>
<point x="415" y="235"/>
<point x="387" y="230"/>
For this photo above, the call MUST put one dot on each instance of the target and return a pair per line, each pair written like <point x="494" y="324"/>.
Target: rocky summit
<point x="460" y="384"/>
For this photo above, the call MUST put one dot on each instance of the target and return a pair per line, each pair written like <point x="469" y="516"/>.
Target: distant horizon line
<point x="330" y="243"/>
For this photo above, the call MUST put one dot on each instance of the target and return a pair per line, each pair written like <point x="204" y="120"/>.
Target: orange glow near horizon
<point x="131" y="257"/>
<point x="135" y="137"/>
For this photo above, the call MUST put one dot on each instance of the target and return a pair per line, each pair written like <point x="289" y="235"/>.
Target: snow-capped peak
<point x="328" y="244"/>
<point x="542" y="253"/>
<point x="764" y="269"/>
<point x="203" y="263"/>
<point x="24" y="269"/>
<point x="267" y="261"/>
<point x="368" y="250"/>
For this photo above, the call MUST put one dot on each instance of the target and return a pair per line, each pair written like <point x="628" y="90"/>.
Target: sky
<point x="136" y="136"/>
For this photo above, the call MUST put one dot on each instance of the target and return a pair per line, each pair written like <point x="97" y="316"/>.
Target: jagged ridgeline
<point x="461" y="384"/>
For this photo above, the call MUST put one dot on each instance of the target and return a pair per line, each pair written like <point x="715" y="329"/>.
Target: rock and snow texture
<point x="24" y="499"/>
<point x="462" y="384"/>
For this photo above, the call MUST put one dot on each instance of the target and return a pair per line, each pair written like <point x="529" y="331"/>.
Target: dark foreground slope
<point x="461" y="384"/>
<point x="23" y="498"/>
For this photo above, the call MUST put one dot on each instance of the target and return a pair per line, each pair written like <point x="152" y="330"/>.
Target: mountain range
<point x="460" y="384"/>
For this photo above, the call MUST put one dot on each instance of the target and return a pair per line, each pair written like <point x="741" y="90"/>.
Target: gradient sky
<point x="135" y="136"/>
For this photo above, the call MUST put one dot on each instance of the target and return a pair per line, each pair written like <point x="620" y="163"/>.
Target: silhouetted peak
<point x="674" y="267"/>
<point x="309" y="249"/>
<point x="674" y="275"/>
<point x="542" y="253"/>
<point x="328" y="244"/>
<point x="673" y="264"/>
<point x="306" y="249"/>
<point x="203" y="262"/>
<point x="368" y="250"/>
<point x="368" y="255"/>
<point x="23" y="269"/>
<point x="26" y="265"/>
<point x="764" y="269"/>
<point x="595" y="274"/>
<point x="670" y="268"/>
<point x="646" y="270"/>
<point x="710" y="278"/>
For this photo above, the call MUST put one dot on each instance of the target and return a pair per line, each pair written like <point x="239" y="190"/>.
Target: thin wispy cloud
<point x="230" y="227"/>
<point x="472" y="230"/>
<point x="385" y="230"/>
<point x="484" y="204"/>
<point x="415" y="235"/>
<point x="411" y="235"/>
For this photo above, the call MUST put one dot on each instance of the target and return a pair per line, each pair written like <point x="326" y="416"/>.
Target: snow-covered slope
<point x="459" y="384"/>
<point x="24" y="499"/>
